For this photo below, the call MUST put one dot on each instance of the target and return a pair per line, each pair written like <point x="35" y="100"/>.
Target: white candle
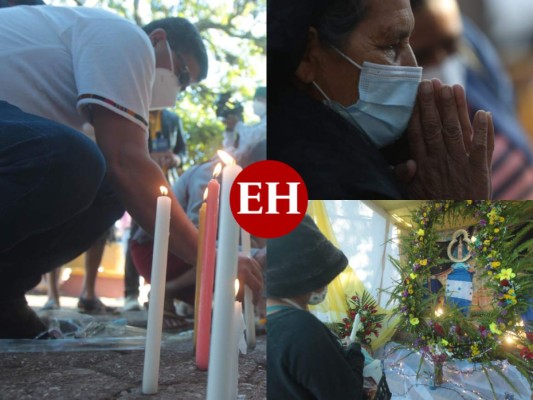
<point x="222" y="340"/>
<point x="355" y="328"/>
<point x="249" y="315"/>
<point x="233" y="358"/>
<point x="157" y="294"/>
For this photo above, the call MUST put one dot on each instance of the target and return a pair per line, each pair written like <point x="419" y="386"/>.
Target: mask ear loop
<point x="321" y="91"/>
<point x="171" y="58"/>
<point x="346" y="57"/>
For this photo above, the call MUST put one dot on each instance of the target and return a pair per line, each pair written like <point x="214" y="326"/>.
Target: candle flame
<point x="218" y="170"/>
<point x="205" y="193"/>
<point x="439" y="312"/>
<point x="225" y="157"/>
<point x="236" y="286"/>
<point x="164" y="190"/>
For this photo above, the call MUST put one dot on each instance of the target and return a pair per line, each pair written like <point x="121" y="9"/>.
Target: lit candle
<point x="222" y="342"/>
<point x="208" y="272"/>
<point x="199" y="262"/>
<point x="355" y="328"/>
<point x="249" y="315"/>
<point x="152" y="348"/>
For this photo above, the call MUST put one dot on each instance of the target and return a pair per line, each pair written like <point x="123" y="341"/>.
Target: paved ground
<point x="117" y="374"/>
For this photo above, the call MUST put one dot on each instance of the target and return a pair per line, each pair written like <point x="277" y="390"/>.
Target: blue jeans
<point x="54" y="199"/>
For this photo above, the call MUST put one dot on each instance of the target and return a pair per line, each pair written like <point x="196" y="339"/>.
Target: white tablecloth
<point x="462" y="380"/>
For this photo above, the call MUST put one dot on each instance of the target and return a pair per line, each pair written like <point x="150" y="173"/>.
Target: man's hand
<point x="250" y="273"/>
<point x="453" y="158"/>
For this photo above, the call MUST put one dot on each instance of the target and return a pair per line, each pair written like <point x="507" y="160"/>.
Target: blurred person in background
<point x="451" y="48"/>
<point x="240" y="138"/>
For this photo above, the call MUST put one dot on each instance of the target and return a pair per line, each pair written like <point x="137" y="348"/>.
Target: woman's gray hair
<point x="339" y="20"/>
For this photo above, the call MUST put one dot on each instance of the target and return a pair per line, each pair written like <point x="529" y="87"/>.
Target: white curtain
<point x="366" y="235"/>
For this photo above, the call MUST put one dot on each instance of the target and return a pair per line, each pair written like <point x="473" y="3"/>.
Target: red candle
<point x="208" y="273"/>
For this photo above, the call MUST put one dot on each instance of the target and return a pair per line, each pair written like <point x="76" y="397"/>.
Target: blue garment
<point x="459" y="287"/>
<point x="489" y="88"/>
<point x="54" y="201"/>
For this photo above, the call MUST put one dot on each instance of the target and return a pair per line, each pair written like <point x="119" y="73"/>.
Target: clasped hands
<point x="451" y="158"/>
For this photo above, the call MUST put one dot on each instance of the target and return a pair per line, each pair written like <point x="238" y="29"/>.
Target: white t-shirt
<point x="58" y="61"/>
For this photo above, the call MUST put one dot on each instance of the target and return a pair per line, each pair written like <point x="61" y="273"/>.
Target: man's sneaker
<point x="131" y="303"/>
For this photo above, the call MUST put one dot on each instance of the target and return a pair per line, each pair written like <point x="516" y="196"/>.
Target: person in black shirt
<point x="304" y="359"/>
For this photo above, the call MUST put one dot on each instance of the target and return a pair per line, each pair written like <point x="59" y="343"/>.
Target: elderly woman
<point x="305" y="360"/>
<point x="346" y="109"/>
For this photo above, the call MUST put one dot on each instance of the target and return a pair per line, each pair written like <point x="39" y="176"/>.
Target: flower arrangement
<point x="444" y="332"/>
<point x="370" y="319"/>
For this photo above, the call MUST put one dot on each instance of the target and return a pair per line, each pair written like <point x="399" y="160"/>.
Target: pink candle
<point x="208" y="273"/>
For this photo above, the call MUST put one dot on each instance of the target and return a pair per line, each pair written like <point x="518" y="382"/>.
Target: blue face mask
<point x="387" y="95"/>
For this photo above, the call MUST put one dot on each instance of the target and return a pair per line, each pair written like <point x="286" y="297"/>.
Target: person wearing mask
<point x="451" y="48"/>
<point x="304" y="359"/>
<point x="60" y="190"/>
<point x="346" y="108"/>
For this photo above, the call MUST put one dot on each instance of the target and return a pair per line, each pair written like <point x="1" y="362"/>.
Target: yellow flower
<point x="486" y="242"/>
<point x="469" y="201"/>
<point x="494" y="329"/>
<point x="506" y="273"/>
<point x="424" y="262"/>
<point x="493" y="214"/>
<point x="421" y="232"/>
<point x="410" y="290"/>
<point x="444" y="342"/>
<point x="475" y="350"/>
<point x="414" y="321"/>
<point x="413" y="276"/>
<point x="496" y="264"/>
<point x="496" y="230"/>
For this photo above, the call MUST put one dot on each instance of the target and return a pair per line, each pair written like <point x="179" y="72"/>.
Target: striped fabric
<point x="512" y="174"/>
<point x="113" y="104"/>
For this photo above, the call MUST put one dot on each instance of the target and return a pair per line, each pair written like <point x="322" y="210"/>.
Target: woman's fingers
<point x="430" y="120"/>
<point x="464" y="117"/>
<point x="451" y="127"/>
<point x="480" y="144"/>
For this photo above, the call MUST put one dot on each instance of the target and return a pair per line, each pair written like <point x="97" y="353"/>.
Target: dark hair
<point x="184" y="38"/>
<point x="10" y="3"/>
<point x="338" y="20"/>
<point x="416" y="4"/>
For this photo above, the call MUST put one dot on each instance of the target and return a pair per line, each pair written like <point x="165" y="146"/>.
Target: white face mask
<point x="317" y="297"/>
<point x="166" y="87"/>
<point x="260" y="108"/>
<point x="387" y="95"/>
<point x="452" y="71"/>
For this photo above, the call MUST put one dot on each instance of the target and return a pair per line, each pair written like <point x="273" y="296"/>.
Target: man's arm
<point x="136" y="179"/>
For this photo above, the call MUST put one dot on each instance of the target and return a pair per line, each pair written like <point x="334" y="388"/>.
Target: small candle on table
<point x="249" y="315"/>
<point x="152" y="348"/>
<point x="208" y="272"/>
<point x="222" y="338"/>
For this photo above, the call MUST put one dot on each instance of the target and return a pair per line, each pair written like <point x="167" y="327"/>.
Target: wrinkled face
<point x="381" y="38"/>
<point x="437" y="32"/>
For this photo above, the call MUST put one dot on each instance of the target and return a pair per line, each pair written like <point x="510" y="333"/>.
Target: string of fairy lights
<point x="450" y="385"/>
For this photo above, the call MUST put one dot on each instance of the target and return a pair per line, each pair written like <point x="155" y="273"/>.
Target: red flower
<point x="438" y="329"/>
<point x="526" y="354"/>
<point x="529" y="335"/>
<point x="363" y="319"/>
<point x="505" y="282"/>
<point x="378" y="325"/>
